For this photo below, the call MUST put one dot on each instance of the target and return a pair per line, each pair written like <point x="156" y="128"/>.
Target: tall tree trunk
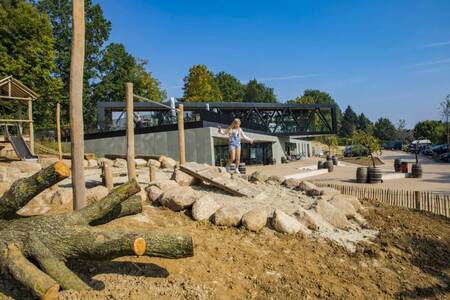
<point x="76" y="104"/>
<point x="130" y="132"/>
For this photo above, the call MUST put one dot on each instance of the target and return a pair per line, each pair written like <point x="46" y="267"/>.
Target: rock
<point x="184" y="179"/>
<point x="255" y="220"/>
<point x="344" y="206"/>
<point x="61" y="196"/>
<point x="140" y="163"/>
<point x="165" y="185"/>
<point x="309" y="188"/>
<point x="47" y="161"/>
<point x="154" y="163"/>
<point x="28" y="211"/>
<point x="291" y="183"/>
<point x="227" y="216"/>
<point x="12" y="174"/>
<point x="120" y="163"/>
<point x="352" y="199"/>
<point x="26" y="166"/>
<point x="85" y="163"/>
<point x="306" y="218"/>
<point x="332" y="215"/>
<point x="204" y="208"/>
<point x="96" y="193"/>
<point x="275" y="180"/>
<point x="153" y="193"/>
<point x="101" y="161"/>
<point x="284" y="223"/>
<point x="92" y="163"/>
<point x="257" y="176"/>
<point x="327" y="193"/>
<point x="4" y="186"/>
<point x="178" y="198"/>
<point x="167" y="162"/>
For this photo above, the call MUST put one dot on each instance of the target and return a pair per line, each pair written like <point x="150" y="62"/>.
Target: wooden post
<point x="130" y="132"/>
<point x="417" y="198"/>
<point x="107" y="176"/>
<point x="58" y="129"/>
<point x="152" y="173"/>
<point x="76" y="104"/>
<point x="181" y="144"/>
<point x="30" y="125"/>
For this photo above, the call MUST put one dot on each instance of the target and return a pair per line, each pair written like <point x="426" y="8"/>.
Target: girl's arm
<point x="244" y="136"/>
<point x="221" y="131"/>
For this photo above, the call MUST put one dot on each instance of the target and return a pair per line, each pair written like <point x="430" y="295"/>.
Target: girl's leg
<point x="238" y="157"/>
<point x="232" y="156"/>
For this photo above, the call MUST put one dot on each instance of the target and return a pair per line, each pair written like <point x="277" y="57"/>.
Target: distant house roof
<point x="13" y="89"/>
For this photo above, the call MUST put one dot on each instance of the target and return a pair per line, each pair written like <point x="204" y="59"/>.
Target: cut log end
<point x="139" y="246"/>
<point x="62" y="169"/>
<point x="51" y="293"/>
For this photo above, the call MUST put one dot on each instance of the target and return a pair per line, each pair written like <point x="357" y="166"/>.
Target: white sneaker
<point x="237" y="171"/>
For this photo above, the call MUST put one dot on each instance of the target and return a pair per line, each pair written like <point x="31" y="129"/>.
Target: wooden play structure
<point x="15" y="98"/>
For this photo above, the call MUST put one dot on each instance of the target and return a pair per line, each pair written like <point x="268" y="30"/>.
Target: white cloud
<point x="438" y="44"/>
<point x="431" y="63"/>
<point x="289" y="77"/>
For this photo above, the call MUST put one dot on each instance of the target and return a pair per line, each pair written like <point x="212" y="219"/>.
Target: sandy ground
<point x="409" y="259"/>
<point x="436" y="175"/>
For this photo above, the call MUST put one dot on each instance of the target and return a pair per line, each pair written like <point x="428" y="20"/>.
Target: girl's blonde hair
<point x="233" y="125"/>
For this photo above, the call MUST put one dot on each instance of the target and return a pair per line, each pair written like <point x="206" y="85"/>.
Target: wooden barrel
<point x="404" y="167"/>
<point x="416" y="171"/>
<point x="335" y="160"/>
<point x="328" y="157"/>
<point x="361" y="175"/>
<point x="328" y="165"/>
<point x="319" y="165"/>
<point x="242" y="168"/>
<point x="397" y="165"/>
<point x="374" y="175"/>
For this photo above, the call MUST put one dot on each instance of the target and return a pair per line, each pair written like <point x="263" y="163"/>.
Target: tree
<point x="98" y="29"/>
<point x="27" y="53"/>
<point x="401" y="131"/>
<point x="384" y="130"/>
<point x="368" y="141"/>
<point x="331" y="141"/>
<point x="200" y="86"/>
<point x="230" y="87"/>
<point x="258" y="92"/>
<point x="430" y="129"/>
<point x="363" y="123"/>
<point x="445" y="112"/>
<point x="349" y="122"/>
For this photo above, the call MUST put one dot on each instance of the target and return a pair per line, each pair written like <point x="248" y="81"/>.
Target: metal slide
<point x="21" y="148"/>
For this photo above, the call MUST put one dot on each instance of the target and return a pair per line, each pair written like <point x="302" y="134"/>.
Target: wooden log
<point x="131" y="206"/>
<point x="58" y="130"/>
<point x="152" y="173"/>
<point x="25" y="189"/>
<point x="76" y="105"/>
<point x="130" y="132"/>
<point x="108" y="176"/>
<point x="181" y="142"/>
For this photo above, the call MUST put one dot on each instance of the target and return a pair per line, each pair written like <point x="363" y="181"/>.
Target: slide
<point x="21" y="148"/>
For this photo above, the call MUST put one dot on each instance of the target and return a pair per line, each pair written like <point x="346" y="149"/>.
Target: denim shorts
<point x="234" y="146"/>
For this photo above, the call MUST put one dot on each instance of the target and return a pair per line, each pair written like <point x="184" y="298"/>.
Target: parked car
<point x="445" y="157"/>
<point x="417" y="145"/>
<point x="440" y="149"/>
<point x="355" y="151"/>
<point x="393" y="145"/>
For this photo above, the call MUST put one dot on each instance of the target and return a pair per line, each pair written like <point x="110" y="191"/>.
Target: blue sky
<point x="386" y="58"/>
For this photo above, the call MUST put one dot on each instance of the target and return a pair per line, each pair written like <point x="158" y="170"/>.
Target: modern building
<point x="278" y="130"/>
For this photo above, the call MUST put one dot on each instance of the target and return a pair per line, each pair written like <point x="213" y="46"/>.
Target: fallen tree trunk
<point x="51" y="240"/>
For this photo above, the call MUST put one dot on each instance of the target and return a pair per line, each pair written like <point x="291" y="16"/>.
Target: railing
<point x="420" y="200"/>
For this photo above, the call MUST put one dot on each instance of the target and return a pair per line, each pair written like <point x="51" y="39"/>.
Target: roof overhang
<point x="13" y="89"/>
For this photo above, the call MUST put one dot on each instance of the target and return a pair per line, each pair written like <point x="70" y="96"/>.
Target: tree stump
<point x="51" y="240"/>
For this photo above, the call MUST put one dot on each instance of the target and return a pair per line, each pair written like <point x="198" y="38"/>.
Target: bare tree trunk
<point x="76" y="105"/>
<point x="130" y="132"/>
<point x="181" y="143"/>
<point x="58" y="129"/>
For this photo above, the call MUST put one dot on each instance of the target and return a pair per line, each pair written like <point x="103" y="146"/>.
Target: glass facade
<point x="251" y="154"/>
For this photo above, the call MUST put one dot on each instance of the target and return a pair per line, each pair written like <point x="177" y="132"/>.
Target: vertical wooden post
<point x="181" y="144"/>
<point x="76" y="104"/>
<point x="417" y="198"/>
<point x="30" y="124"/>
<point x="152" y="173"/>
<point x="107" y="176"/>
<point x="130" y="132"/>
<point x="58" y="129"/>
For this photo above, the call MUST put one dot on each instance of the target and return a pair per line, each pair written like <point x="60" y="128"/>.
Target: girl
<point x="235" y="133"/>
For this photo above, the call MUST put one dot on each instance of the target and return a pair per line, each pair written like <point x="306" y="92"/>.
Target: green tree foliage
<point x="331" y="141"/>
<point x="258" y="92"/>
<point x="430" y="129"/>
<point x="200" y="86"/>
<point x="402" y="133"/>
<point x="384" y="130"/>
<point x="230" y="87"/>
<point x="349" y="122"/>
<point x="118" y="67"/>
<point x="26" y="52"/>
<point x="368" y="141"/>
<point x="363" y="123"/>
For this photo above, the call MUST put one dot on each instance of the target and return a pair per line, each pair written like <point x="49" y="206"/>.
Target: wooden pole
<point x="181" y="144"/>
<point x="152" y="173"/>
<point x="130" y="132"/>
<point x="107" y="176"/>
<point x="76" y="104"/>
<point x="30" y="125"/>
<point x="417" y="199"/>
<point x="58" y="129"/>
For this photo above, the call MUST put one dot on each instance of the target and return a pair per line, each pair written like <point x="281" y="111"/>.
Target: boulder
<point x="61" y="197"/>
<point x="153" y="193"/>
<point x="120" y="163"/>
<point x="204" y="208"/>
<point x="12" y="174"/>
<point x="92" y="163"/>
<point x="227" y="216"/>
<point x="327" y="193"/>
<point x="352" y="199"/>
<point x="332" y="215"/>
<point x="4" y="186"/>
<point x="101" y="161"/>
<point x="47" y="161"/>
<point x="255" y="220"/>
<point x="184" y="179"/>
<point x="26" y="166"/>
<point x="344" y="206"/>
<point x="167" y="162"/>
<point x="178" y="198"/>
<point x="306" y="218"/>
<point x="96" y="193"/>
<point x="275" y="179"/>
<point x="291" y="183"/>
<point x="165" y="185"/>
<point x="284" y="223"/>
<point x="140" y="163"/>
<point x="154" y="163"/>
<point x="257" y="177"/>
